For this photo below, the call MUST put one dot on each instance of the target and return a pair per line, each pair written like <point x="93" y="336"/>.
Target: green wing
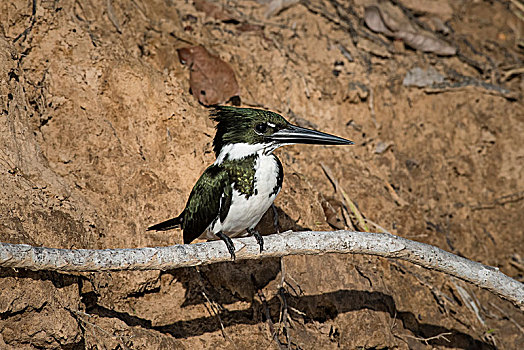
<point x="209" y="200"/>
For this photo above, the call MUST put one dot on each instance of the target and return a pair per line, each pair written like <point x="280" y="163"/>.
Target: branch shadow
<point x="58" y="279"/>
<point x="319" y="308"/>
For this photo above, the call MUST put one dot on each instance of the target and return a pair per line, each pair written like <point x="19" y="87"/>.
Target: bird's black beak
<point x="295" y="134"/>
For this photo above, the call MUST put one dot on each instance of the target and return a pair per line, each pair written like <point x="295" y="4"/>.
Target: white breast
<point x="245" y="212"/>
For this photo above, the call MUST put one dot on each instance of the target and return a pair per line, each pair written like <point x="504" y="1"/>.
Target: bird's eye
<point x="261" y="128"/>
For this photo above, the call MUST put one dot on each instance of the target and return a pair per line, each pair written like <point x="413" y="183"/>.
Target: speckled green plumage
<point x="242" y="174"/>
<point x="211" y="196"/>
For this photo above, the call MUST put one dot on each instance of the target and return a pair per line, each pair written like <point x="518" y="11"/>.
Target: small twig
<point x="441" y="298"/>
<point x="470" y="62"/>
<point x="345" y="53"/>
<point x="371" y="105"/>
<point x="141" y="10"/>
<point x="509" y="198"/>
<point x="112" y="16"/>
<point x="284" y="314"/>
<point x="330" y="176"/>
<point x="77" y="314"/>
<point x="214" y="307"/>
<point x="213" y="310"/>
<point x="481" y="69"/>
<point x="347" y="218"/>
<point x="463" y="81"/>
<point x="283" y="321"/>
<point x="298" y="312"/>
<point x="394" y="193"/>
<point x="435" y="337"/>
<point x="30" y="27"/>
<point x="306" y="88"/>
<point x="270" y="324"/>
<point x="345" y="26"/>
<point x="505" y="314"/>
<point x="510" y="73"/>
<point x="354" y="209"/>
<point x="282" y="273"/>
<point x="286" y="283"/>
<point x="469" y="302"/>
<point x="516" y="265"/>
<point x="382" y="229"/>
<point x="350" y="28"/>
<point x="518" y="4"/>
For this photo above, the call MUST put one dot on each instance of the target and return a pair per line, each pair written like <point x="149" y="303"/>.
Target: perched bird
<point x="232" y="195"/>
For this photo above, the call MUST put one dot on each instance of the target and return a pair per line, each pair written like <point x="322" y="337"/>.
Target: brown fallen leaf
<point x="212" y="80"/>
<point x="426" y="42"/>
<point x="374" y="21"/>
<point x="389" y="20"/>
<point x="333" y="212"/>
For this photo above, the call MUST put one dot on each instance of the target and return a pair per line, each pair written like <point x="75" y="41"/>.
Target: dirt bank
<point x="101" y="137"/>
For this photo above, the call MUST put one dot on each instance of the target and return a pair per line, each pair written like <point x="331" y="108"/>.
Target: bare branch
<point x="277" y="245"/>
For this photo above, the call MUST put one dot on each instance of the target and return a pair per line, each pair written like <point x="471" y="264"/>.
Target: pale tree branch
<point x="277" y="245"/>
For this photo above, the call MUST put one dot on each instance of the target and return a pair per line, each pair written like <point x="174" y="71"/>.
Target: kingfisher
<point x="233" y="193"/>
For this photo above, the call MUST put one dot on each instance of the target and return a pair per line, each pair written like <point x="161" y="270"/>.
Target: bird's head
<point x="245" y="131"/>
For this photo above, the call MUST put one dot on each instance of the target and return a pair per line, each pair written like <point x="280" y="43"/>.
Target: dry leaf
<point x="422" y="78"/>
<point x="426" y="42"/>
<point x="212" y="80"/>
<point x="375" y="22"/>
<point x="389" y="20"/>
<point x="332" y="210"/>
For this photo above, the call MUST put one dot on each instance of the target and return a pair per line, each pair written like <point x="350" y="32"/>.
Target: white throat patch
<point x="242" y="150"/>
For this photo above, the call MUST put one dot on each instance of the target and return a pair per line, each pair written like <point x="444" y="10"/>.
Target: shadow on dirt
<point x="316" y="307"/>
<point x="58" y="279"/>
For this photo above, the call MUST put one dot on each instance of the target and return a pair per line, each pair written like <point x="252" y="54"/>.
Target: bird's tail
<point x="167" y="225"/>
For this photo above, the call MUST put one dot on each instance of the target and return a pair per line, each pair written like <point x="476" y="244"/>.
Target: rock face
<point x="100" y="138"/>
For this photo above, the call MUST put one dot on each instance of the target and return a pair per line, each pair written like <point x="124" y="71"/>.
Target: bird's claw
<point x="258" y="237"/>
<point x="229" y="244"/>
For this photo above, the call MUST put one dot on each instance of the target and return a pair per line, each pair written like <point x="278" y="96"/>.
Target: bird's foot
<point x="258" y="237"/>
<point x="229" y="244"/>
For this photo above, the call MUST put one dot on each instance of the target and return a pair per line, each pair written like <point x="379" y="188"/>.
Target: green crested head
<point x="245" y="125"/>
<point x="262" y="130"/>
